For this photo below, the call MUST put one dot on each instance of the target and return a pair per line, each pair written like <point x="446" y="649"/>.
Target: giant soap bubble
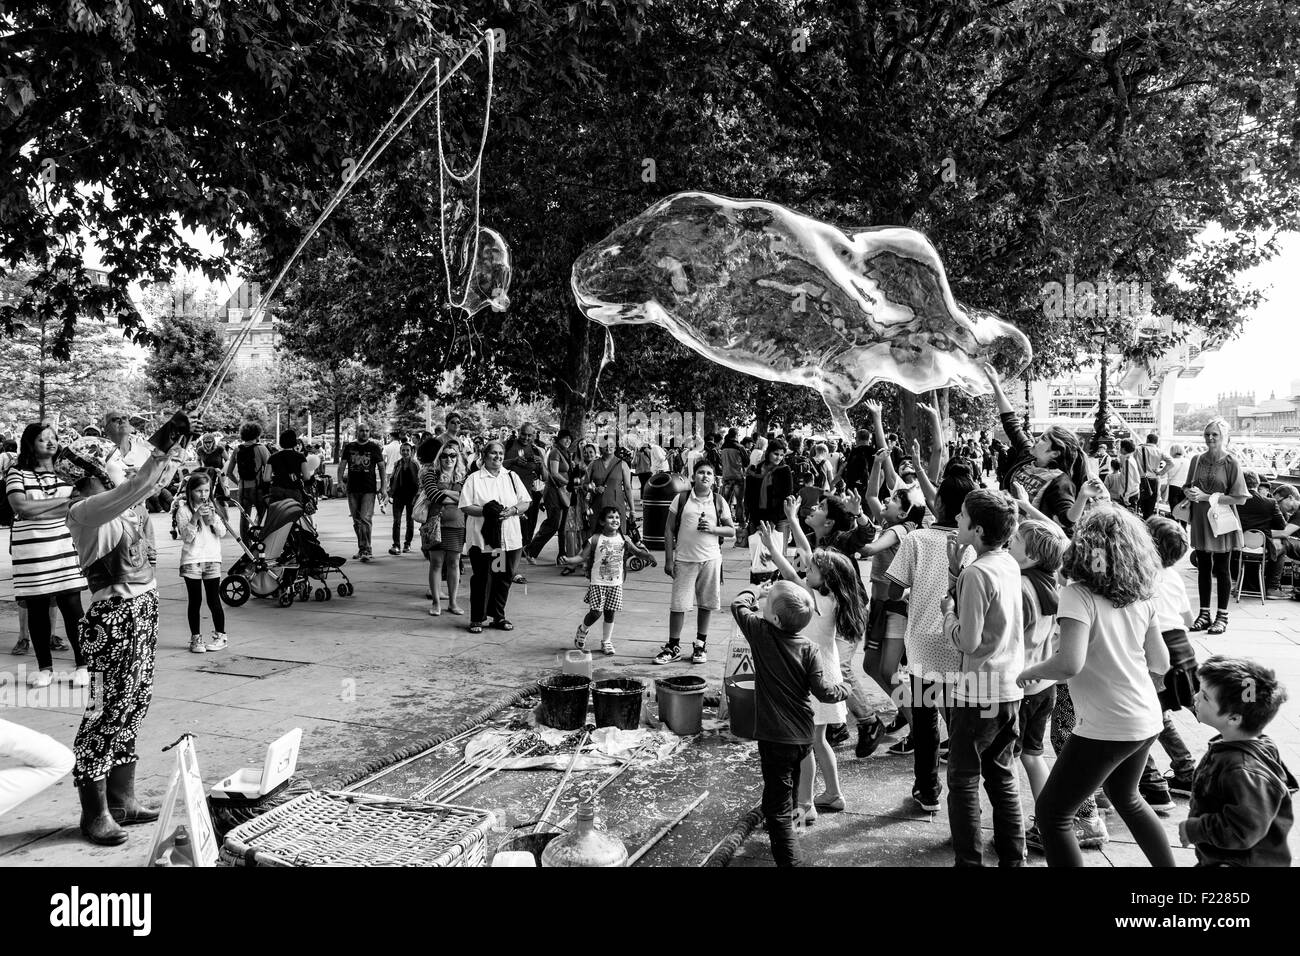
<point x="763" y="290"/>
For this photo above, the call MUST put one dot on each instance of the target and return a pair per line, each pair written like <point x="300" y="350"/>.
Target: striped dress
<point x="44" y="558"/>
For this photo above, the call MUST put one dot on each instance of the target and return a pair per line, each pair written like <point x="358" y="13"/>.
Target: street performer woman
<point x="114" y="541"/>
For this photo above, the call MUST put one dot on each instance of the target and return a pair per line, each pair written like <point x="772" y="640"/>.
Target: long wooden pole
<point x="555" y="797"/>
<point x="645" y="847"/>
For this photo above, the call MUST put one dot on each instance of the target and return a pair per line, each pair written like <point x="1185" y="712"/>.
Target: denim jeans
<point x="1180" y="758"/>
<point x="929" y="699"/>
<point x="780" y="764"/>
<point x="982" y="743"/>
<point x="1084" y="765"/>
<point x="400" y="506"/>
<point x="362" y="508"/>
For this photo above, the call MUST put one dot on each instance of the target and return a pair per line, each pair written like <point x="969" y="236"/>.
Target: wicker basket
<point x="327" y="828"/>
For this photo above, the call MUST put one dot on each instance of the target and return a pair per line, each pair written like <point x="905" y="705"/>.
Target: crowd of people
<point x="1000" y="593"/>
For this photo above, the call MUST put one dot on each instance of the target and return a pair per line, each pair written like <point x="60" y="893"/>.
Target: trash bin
<point x="659" y="493"/>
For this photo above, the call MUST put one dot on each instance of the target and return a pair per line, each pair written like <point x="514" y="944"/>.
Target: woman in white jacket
<point x="200" y="529"/>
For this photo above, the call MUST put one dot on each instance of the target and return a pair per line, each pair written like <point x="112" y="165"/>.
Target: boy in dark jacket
<point x="787" y="669"/>
<point x="1240" y="813"/>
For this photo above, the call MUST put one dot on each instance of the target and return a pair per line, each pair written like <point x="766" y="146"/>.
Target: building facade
<point x="257" y="348"/>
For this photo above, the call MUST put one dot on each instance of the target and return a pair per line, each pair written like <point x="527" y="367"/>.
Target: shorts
<point x="1034" y="713"/>
<point x="201" y="571"/>
<point x="696" y="584"/>
<point x="605" y="597"/>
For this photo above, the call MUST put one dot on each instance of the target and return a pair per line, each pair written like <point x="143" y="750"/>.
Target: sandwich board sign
<point x="186" y="804"/>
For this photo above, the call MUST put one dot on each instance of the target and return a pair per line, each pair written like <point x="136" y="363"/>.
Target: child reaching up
<point x="602" y="560"/>
<point x="1038" y="547"/>
<point x="839" y="611"/>
<point x="200" y="529"/>
<point x="986" y="625"/>
<point x="787" y="669"/>
<point x="1241" y="800"/>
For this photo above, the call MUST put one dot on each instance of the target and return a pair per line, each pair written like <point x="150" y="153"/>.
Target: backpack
<point x="246" y="462"/>
<point x="681" y="504"/>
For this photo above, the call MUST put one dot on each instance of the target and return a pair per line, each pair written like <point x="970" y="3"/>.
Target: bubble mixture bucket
<point x="564" y="701"/>
<point x="617" y="703"/>
<point x="740" y="705"/>
<point x="681" y="704"/>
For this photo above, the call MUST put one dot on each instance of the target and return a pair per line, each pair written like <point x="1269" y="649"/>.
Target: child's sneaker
<point x="698" y="654"/>
<point x="196" y="644"/>
<point x="580" y="639"/>
<point x="1091" y="832"/>
<point x="1180" y="782"/>
<point x="1157" y="796"/>
<point x="607" y="647"/>
<point x="218" y="642"/>
<point x="668" y="654"/>
<point x="1033" y="839"/>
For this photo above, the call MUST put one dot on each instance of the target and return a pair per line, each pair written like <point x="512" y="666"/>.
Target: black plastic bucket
<point x="617" y="702"/>
<point x="564" y="701"/>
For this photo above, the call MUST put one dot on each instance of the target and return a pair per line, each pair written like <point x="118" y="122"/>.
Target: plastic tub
<point x="681" y="704"/>
<point x="564" y="701"/>
<point x="740" y="705"/>
<point x="617" y="703"/>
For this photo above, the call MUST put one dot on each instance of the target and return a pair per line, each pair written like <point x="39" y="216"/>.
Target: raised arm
<point x="104" y="507"/>
<point x="767" y="535"/>
<point x="874" y="504"/>
<point x="797" y="537"/>
<point x="927" y="485"/>
<point x="935" y="463"/>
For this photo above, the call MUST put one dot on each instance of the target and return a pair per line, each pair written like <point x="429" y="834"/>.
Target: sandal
<point x="1220" y="626"/>
<point x="435" y="612"/>
<point x="828" y="804"/>
<point x="476" y="627"/>
<point x="502" y="625"/>
<point x="453" y="609"/>
<point x="1201" y="622"/>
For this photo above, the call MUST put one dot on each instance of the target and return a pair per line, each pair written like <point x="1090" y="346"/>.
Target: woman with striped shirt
<point x="44" y="558"/>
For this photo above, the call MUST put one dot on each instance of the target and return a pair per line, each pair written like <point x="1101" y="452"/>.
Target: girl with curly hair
<point x="1110" y="645"/>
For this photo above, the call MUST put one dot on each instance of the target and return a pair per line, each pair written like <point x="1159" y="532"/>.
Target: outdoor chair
<point x="1252" y="557"/>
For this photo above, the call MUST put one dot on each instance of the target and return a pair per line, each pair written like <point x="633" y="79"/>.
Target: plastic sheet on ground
<point x="609" y="747"/>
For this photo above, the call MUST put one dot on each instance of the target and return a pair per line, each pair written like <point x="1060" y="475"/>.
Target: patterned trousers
<point x="1062" y="726"/>
<point x="119" y="637"/>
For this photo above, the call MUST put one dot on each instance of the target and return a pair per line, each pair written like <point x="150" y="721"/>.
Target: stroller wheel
<point x="235" y="590"/>
<point x="343" y="590"/>
<point x="635" y="564"/>
<point x="351" y="590"/>
<point x="322" y="594"/>
<point x="286" y="598"/>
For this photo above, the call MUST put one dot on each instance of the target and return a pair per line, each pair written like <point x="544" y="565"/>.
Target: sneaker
<point x="929" y="802"/>
<point x="668" y="654"/>
<point x="394" y="550"/>
<point x="22" y="647"/>
<point x="869" y="737"/>
<point x="1180" y="783"/>
<point x="1277" y="594"/>
<point x="1033" y="839"/>
<point x="218" y="642"/>
<point x="1157" y="797"/>
<point x="903" y="748"/>
<point x="81" y="677"/>
<point x="57" y="643"/>
<point x="580" y="639"/>
<point x="837" y="734"/>
<point x="40" y="678"/>
<point x="406" y="549"/>
<point x="805" y="816"/>
<point x="698" y="654"/>
<point x="607" y="647"/>
<point x="196" y="645"/>
<point x="897" y="725"/>
<point x="1091" y="832"/>
<point x="357" y="556"/>
<point x="365" y="557"/>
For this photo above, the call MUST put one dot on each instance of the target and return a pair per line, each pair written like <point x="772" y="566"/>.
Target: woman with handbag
<point x="442" y="531"/>
<point x="1214" y="486"/>
<point x="556" y="497"/>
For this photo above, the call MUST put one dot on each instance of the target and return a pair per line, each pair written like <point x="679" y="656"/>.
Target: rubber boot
<point x="97" y="825"/>
<point x="122" y="803"/>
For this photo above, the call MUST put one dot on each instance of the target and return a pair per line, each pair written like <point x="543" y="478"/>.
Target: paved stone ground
<point x="365" y="675"/>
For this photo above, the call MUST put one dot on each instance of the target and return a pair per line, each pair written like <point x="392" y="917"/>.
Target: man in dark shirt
<point x="1152" y="463"/>
<point x="787" y="668"/>
<point x="526" y="458"/>
<point x="857" y="463"/>
<point x="1284" y="542"/>
<point x="286" y="469"/>
<point x="359" y="464"/>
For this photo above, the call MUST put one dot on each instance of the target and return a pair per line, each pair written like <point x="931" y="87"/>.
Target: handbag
<point x="1223" y="520"/>
<point x="420" y="510"/>
<point x="1183" y="511"/>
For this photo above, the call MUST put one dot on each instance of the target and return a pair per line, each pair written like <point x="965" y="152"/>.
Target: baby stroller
<point x="287" y="533"/>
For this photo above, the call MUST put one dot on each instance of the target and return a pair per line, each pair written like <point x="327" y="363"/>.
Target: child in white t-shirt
<point x="602" y="561"/>
<point x="200" y="528"/>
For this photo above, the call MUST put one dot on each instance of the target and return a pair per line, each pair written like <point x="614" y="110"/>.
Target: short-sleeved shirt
<point x="362" y="457"/>
<point x="286" y="468"/>
<point x="1171" y="601"/>
<point x="44" y="556"/>
<point x="691" y="544"/>
<point x="1114" y="695"/>
<point x="1223" y="477"/>
<point x="922" y="565"/>
<point x="607" y="560"/>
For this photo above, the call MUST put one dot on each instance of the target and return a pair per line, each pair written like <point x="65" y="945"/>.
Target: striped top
<point x="44" y="557"/>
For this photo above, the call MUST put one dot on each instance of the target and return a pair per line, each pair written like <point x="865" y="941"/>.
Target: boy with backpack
<point x="698" y="521"/>
<point x="247" y="467"/>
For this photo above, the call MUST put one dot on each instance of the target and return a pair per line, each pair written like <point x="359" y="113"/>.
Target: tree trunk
<point x="907" y="427"/>
<point x="574" y="393"/>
